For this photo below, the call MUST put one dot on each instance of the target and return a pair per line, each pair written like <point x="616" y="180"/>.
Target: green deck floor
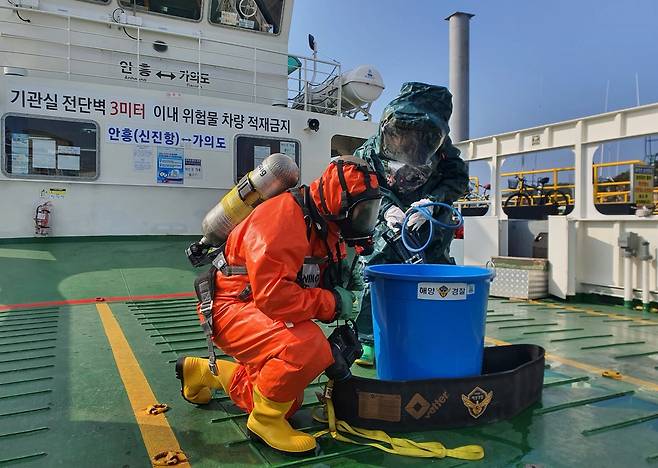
<point x="62" y="401"/>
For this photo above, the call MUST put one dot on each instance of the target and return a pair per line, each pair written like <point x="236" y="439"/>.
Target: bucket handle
<point x="491" y="266"/>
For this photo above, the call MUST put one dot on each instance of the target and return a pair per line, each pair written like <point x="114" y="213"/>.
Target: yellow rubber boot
<point x="267" y="423"/>
<point x="197" y="382"/>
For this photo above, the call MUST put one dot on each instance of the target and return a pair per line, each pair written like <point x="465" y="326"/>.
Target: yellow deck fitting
<point x="612" y="374"/>
<point x="157" y="408"/>
<point x="170" y="458"/>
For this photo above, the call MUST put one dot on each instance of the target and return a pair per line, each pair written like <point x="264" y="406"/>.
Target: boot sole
<point x="256" y="438"/>
<point x="180" y="362"/>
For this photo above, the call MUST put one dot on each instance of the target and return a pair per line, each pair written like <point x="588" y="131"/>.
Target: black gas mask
<point x="358" y="227"/>
<point x="358" y="213"/>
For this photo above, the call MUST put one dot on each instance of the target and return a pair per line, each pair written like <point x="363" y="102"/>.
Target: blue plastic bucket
<point x="428" y="319"/>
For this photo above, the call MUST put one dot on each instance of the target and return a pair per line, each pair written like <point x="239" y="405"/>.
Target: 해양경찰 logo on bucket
<point x="444" y="291"/>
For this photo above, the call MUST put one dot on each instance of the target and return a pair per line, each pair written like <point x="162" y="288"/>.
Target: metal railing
<point x="616" y="191"/>
<point x="78" y="48"/>
<point x="566" y="188"/>
<point x="473" y="198"/>
<point x="606" y="191"/>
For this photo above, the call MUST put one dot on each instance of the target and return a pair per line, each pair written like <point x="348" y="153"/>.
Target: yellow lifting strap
<point x="404" y="447"/>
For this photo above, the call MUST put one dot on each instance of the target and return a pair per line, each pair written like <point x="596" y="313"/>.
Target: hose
<point x="427" y="214"/>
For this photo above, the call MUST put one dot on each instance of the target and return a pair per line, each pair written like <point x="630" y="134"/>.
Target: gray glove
<point x="345" y="303"/>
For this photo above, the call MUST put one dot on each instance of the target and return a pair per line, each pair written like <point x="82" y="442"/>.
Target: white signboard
<point x="68" y="150"/>
<point x="43" y="153"/>
<point x="143" y="157"/>
<point x="19" y="153"/>
<point x="19" y="143"/>
<point x="19" y="163"/>
<point x="229" y="17"/>
<point x="193" y="169"/>
<point x="68" y="162"/>
<point x="260" y="153"/>
<point x="288" y="148"/>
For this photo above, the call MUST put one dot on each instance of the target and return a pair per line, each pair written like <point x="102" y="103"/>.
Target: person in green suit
<point x="416" y="163"/>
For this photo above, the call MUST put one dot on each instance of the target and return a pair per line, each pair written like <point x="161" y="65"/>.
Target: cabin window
<point x="342" y="145"/>
<point x="625" y="175"/>
<point x="537" y="184"/>
<point x="38" y="147"/>
<point x="251" y="150"/>
<point x="476" y="201"/>
<point x="254" y="15"/>
<point x="186" y="9"/>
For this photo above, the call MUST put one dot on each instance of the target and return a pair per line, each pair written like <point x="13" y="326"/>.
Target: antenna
<point x="605" y="109"/>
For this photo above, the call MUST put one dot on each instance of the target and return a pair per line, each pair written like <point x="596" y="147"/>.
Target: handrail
<point x="599" y="196"/>
<point x="538" y="171"/>
<point x="555" y="171"/>
<point x="154" y="30"/>
<point x="617" y="163"/>
<point x="260" y="82"/>
<point x="602" y="197"/>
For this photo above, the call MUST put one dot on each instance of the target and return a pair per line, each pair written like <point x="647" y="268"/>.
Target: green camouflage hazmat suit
<point x="435" y="172"/>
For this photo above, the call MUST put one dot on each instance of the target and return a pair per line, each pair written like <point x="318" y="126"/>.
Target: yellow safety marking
<point x="587" y="311"/>
<point x="156" y="431"/>
<point x="582" y="366"/>
<point x="27" y="254"/>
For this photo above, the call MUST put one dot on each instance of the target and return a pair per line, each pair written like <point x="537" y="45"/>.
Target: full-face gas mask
<point x="358" y="226"/>
<point x="408" y="142"/>
<point x="406" y="178"/>
<point x="410" y="138"/>
<point x="360" y="199"/>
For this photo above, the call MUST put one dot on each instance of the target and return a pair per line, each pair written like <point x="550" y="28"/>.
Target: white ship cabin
<point x="133" y="117"/>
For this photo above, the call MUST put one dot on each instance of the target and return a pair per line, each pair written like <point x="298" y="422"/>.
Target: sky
<point x="532" y="62"/>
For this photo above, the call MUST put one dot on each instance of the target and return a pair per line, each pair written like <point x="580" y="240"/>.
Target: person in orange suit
<point x="282" y="269"/>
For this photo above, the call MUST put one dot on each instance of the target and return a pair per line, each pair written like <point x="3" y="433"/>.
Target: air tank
<point x="276" y="174"/>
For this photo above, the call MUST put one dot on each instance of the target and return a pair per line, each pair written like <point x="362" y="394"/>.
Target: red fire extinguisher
<point x="42" y="219"/>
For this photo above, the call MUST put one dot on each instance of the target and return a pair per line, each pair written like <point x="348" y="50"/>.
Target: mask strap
<point x="345" y="197"/>
<point x="323" y="200"/>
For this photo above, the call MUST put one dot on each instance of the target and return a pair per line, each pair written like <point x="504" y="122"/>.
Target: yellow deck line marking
<point x="589" y="311"/>
<point x="586" y="367"/>
<point x="156" y="431"/>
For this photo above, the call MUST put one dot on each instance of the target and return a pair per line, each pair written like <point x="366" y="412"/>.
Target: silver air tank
<point x="276" y="174"/>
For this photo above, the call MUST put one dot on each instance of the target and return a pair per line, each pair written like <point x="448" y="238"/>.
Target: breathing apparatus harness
<point x="205" y="285"/>
<point x="344" y="341"/>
